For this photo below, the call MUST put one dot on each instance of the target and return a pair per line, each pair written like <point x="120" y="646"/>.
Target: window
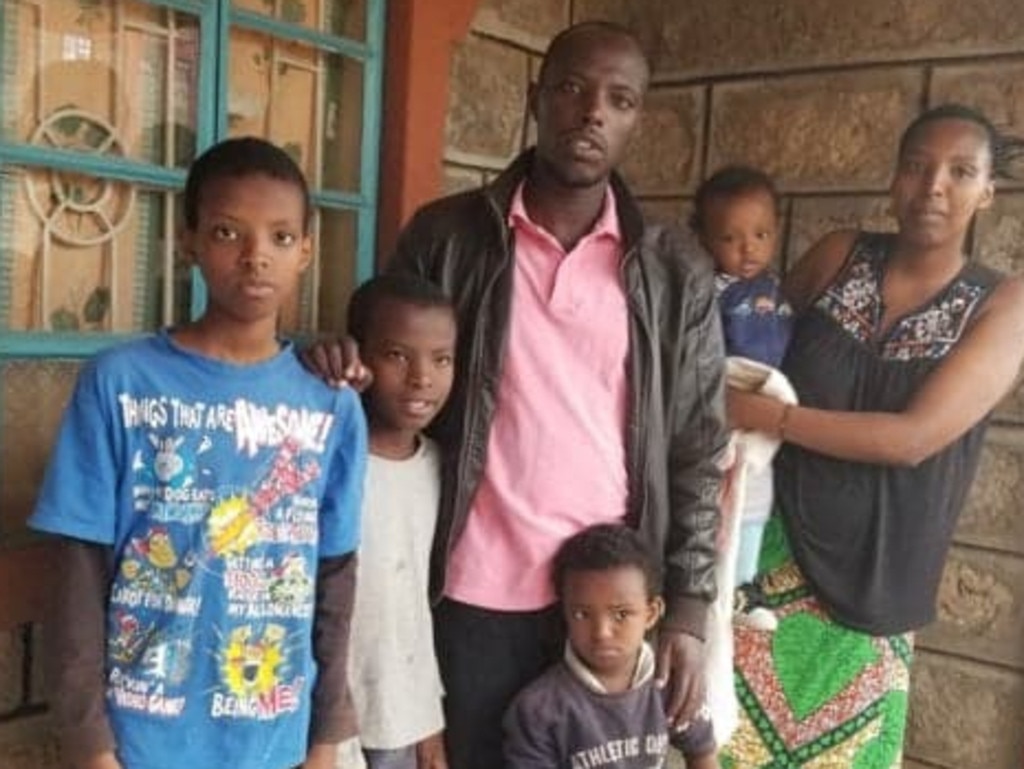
<point x="103" y="103"/>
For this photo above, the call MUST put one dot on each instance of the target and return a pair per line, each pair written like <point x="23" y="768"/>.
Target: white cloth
<point x="393" y="672"/>
<point x="750" y="456"/>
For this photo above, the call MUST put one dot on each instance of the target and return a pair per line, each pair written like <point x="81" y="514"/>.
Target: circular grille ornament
<point x="79" y="209"/>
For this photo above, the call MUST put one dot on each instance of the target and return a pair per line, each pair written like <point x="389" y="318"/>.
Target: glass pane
<point x="343" y="18"/>
<point x="304" y="100"/>
<point x="343" y="125"/>
<point x="32" y="398"/>
<point x="82" y="253"/>
<point x="331" y="279"/>
<point x="108" y="77"/>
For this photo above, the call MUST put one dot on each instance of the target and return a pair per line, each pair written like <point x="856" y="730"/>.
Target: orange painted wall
<point x="420" y="39"/>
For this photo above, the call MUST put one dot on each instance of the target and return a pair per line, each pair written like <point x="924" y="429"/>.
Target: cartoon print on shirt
<point x="171" y="464"/>
<point x="253" y="669"/>
<point x="231" y="527"/>
<point x="151" y="564"/>
<point x="168" y="659"/>
<point x="285" y="478"/>
<point x="168" y="464"/>
<point x="290" y="583"/>
<point x="761" y="304"/>
<point x="250" y="664"/>
<point x="127" y="637"/>
<point x="234" y="523"/>
<point x="765" y="305"/>
<point x="198" y="538"/>
<point x="170" y="483"/>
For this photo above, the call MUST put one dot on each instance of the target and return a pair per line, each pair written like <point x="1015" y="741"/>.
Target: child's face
<point x="250" y="245"/>
<point x="741" y="232"/>
<point x="411" y="351"/>
<point x="608" y="612"/>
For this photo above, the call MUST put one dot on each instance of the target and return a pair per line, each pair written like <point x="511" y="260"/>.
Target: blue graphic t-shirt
<point x="757" y="321"/>
<point x="219" y="487"/>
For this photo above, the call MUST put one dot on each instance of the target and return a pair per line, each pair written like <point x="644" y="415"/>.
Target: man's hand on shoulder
<point x="338" y="363"/>
<point x="680" y="671"/>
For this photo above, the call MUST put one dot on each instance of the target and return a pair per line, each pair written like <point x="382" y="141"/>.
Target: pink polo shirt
<point x="556" y="459"/>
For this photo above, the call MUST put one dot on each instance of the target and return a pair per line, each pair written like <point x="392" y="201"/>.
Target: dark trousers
<point x="486" y="657"/>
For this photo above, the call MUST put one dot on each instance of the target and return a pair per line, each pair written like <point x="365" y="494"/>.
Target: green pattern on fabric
<point x="902" y="648"/>
<point x="774" y="546"/>
<point x="760" y="718"/>
<point x="839" y="656"/>
<point x="835" y="738"/>
<point x="883" y="751"/>
<point x="815" y="662"/>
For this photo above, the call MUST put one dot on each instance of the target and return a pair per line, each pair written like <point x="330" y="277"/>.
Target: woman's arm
<point x="956" y="396"/>
<point x="817" y="268"/>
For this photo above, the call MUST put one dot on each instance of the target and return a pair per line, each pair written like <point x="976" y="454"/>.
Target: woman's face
<point x="943" y="176"/>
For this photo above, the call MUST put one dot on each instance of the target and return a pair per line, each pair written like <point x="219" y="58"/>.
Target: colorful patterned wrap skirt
<point x="814" y="693"/>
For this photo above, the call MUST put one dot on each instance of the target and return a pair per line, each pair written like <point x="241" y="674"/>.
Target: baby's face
<point x="741" y="232"/>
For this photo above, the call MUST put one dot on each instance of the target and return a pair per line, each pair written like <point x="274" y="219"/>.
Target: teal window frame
<point x="216" y="18"/>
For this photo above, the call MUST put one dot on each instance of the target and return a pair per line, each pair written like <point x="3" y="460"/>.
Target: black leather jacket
<point x="676" y="427"/>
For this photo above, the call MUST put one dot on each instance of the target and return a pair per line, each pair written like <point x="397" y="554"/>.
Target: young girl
<point x="405" y="327"/>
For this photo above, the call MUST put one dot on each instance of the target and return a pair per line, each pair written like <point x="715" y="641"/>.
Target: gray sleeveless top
<point x="872" y="539"/>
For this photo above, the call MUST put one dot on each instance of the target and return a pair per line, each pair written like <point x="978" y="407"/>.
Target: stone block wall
<point x="25" y="741"/>
<point x="817" y="92"/>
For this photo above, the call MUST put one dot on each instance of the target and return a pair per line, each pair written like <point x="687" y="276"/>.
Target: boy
<point x="206" y="491"/>
<point x="599" y="706"/>
<point x="405" y="327"/>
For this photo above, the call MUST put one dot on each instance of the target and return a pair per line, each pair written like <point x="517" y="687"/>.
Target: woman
<point x="901" y="350"/>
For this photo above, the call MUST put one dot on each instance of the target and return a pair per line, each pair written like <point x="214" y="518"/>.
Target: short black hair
<point x="730" y="182"/>
<point x="407" y="289"/>
<point x="1004" y="148"/>
<point x="603" y="547"/>
<point x="237" y="158"/>
<point x="609" y="28"/>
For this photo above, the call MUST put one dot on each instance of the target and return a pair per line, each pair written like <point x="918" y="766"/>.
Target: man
<point x="588" y="389"/>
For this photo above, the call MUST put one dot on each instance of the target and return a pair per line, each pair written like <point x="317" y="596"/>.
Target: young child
<point x="736" y="219"/>
<point x="206" y="491"/>
<point x="599" y="706"/>
<point x="405" y="328"/>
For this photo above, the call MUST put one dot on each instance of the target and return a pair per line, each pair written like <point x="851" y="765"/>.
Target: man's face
<point x="587" y="105"/>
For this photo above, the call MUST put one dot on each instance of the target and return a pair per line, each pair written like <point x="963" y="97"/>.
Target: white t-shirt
<point x="393" y="669"/>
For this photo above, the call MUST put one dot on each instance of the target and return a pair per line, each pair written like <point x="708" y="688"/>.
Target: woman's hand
<point x="750" y="411"/>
